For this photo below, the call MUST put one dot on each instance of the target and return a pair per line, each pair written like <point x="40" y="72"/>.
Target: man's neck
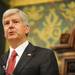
<point x="16" y="43"/>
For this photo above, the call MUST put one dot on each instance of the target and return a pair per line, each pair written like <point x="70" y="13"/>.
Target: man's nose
<point x="11" y="25"/>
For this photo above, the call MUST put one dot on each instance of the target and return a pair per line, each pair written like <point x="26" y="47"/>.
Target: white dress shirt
<point x="19" y="50"/>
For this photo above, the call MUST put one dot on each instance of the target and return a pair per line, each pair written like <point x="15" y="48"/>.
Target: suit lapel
<point x="5" y="58"/>
<point x="25" y="58"/>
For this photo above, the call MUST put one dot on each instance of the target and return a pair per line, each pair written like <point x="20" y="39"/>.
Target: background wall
<point x="49" y="20"/>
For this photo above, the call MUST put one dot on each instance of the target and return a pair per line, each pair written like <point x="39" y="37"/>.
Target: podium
<point x="66" y="59"/>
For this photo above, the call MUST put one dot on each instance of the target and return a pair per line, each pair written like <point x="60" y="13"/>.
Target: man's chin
<point x="12" y="38"/>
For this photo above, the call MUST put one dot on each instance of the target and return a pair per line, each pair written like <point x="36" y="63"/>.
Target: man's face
<point x="14" y="27"/>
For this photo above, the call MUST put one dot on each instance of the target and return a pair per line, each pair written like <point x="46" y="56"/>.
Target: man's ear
<point x="27" y="29"/>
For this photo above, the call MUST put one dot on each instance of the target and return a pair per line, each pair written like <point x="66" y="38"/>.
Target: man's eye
<point x="6" y="23"/>
<point x="15" y="21"/>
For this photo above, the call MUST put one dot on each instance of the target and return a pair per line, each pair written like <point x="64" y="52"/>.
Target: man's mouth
<point x="11" y="33"/>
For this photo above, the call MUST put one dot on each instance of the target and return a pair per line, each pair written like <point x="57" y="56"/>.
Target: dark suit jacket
<point x="34" y="61"/>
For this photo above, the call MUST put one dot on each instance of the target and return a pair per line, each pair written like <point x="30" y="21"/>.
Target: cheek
<point x="23" y="31"/>
<point x="5" y="31"/>
<point x="20" y="30"/>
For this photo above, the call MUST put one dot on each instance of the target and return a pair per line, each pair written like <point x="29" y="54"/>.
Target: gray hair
<point x="23" y="16"/>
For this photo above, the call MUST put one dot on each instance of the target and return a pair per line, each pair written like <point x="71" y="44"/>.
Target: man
<point x="30" y="60"/>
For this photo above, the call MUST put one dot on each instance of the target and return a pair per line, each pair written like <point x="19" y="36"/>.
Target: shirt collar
<point x="20" y="49"/>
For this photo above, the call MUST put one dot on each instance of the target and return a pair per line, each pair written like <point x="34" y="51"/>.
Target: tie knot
<point x="13" y="53"/>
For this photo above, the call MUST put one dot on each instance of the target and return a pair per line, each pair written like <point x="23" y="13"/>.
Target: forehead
<point x="12" y="16"/>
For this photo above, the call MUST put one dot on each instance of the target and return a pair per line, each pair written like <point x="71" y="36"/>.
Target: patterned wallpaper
<point x="48" y="21"/>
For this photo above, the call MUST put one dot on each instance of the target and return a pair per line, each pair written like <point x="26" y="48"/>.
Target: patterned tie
<point x="11" y="63"/>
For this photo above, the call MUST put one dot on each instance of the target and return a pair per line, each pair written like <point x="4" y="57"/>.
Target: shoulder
<point x="45" y="51"/>
<point x="41" y="50"/>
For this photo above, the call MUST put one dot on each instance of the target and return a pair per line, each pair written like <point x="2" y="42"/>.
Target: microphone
<point x="2" y="70"/>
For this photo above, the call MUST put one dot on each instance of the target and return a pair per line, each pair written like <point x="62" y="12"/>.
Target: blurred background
<point x="52" y="26"/>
